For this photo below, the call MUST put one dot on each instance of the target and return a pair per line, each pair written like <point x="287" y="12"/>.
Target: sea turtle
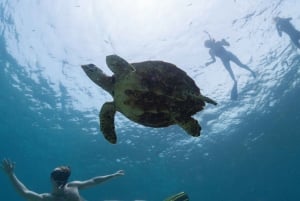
<point x="151" y="93"/>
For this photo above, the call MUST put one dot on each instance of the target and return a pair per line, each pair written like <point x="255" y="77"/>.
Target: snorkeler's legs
<point x="236" y="60"/>
<point x="228" y="68"/>
<point x="296" y="39"/>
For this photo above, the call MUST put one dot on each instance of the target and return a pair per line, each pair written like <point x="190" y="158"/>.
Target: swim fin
<point x="182" y="196"/>
<point x="234" y="92"/>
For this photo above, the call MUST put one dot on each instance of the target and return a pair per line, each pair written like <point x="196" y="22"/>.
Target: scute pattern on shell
<point x="161" y="92"/>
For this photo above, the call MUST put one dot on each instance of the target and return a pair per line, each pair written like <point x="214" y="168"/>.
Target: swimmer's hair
<point x="276" y="18"/>
<point x="61" y="173"/>
<point x="208" y="43"/>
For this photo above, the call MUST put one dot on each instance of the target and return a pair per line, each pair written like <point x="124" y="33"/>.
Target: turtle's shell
<point x="156" y="94"/>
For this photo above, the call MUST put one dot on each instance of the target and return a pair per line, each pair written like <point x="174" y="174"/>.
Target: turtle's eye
<point x="89" y="68"/>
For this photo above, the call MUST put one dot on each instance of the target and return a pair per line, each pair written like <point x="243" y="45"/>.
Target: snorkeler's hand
<point x="8" y="166"/>
<point x="120" y="173"/>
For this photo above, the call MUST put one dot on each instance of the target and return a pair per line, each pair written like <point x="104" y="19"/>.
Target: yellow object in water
<point x="182" y="196"/>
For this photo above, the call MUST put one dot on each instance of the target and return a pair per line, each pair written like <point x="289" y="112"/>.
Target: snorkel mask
<point x="60" y="175"/>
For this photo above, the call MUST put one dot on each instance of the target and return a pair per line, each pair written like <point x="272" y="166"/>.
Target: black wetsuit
<point x="284" y="25"/>
<point x="218" y="50"/>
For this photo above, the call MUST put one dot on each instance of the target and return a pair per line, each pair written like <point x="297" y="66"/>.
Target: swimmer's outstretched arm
<point x="95" y="180"/>
<point x="8" y="167"/>
<point x="278" y="28"/>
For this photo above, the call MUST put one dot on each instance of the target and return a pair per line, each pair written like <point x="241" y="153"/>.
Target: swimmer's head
<point x="208" y="43"/>
<point x="60" y="175"/>
<point x="275" y="19"/>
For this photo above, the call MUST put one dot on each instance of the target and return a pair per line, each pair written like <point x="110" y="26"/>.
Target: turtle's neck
<point x="105" y="82"/>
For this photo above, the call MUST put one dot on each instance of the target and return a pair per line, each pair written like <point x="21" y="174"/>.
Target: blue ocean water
<point x="249" y="147"/>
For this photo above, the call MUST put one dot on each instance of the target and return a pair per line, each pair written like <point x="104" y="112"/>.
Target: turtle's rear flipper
<point x="182" y="196"/>
<point x="107" y="122"/>
<point x="191" y="126"/>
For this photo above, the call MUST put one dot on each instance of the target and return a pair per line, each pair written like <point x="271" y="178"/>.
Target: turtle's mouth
<point x="92" y="70"/>
<point x="88" y="67"/>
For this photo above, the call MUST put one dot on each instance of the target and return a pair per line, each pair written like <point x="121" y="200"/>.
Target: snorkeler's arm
<point x="95" y="180"/>
<point x="212" y="55"/>
<point x="278" y="29"/>
<point x="8" y="168"/>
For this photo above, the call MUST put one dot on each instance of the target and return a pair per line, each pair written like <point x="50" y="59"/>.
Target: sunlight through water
<point x="54" y="38"/>
<point x="249" y="144"/>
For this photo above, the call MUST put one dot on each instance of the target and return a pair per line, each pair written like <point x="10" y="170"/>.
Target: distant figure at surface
<point x="284" y="25"/>
<point x="62" y="189"/>
<point x="217" y="50"/>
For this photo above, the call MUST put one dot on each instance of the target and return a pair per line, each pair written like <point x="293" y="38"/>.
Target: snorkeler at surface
<point x="216" y="49"/>
<point x="284" y="25"/>
<point x="62" y="189"/>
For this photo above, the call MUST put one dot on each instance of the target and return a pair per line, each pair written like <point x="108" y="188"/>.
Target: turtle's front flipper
<point x="191" y="126"/>
<point x="107" y="122"/>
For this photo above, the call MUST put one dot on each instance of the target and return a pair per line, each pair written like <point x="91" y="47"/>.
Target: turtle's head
<point x="98" y="77"/>
<point x="118" y="65"/>
<point x="92" y="71"/>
